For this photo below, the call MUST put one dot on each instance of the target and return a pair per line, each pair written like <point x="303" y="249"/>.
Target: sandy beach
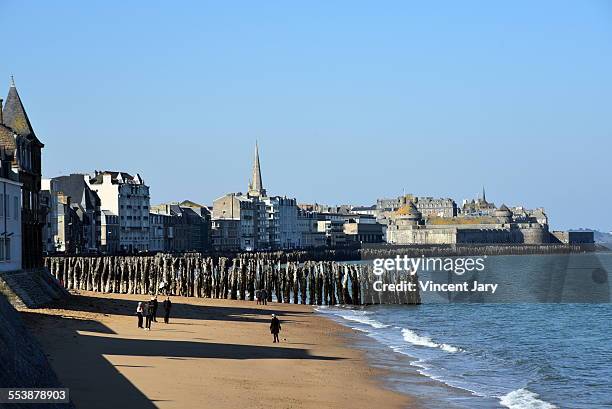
<point x="213" y="354"/>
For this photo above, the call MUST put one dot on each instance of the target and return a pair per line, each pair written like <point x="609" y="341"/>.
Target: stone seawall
<point x="372" y="251"/>
<point x="452" y="250"/>
<point x="31" y="289"/>
<point x="23" y="364"/>
<point x="286" y="277"/>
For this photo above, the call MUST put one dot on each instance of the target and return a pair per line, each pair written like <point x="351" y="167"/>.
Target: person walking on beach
<point x="167" y="307"/>
<point x="154" y="301"/>
<point x="258" y="296"/>
<point x="264" y="296"/>
<point x="149" y="318"/>
<point x="139" y="311"/>
<point x="275" y="328"/>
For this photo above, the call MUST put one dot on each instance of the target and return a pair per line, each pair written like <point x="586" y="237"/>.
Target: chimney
<point x="1" y="117"/>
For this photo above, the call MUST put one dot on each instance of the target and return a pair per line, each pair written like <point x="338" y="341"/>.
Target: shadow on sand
<point x="101" y="305"/>
<point x="97" y="383"/>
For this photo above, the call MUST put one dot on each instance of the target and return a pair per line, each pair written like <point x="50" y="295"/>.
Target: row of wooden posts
<point x="237" y="278"/>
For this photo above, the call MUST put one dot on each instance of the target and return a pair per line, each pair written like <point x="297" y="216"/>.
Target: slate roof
<point x="358" y="208"/>
<point x="76" y="187"/>
<point x="7" y="138"/>
<point x="15" y="116"/>
<point x="99" y="176"/>
<point x="189" y="203"/>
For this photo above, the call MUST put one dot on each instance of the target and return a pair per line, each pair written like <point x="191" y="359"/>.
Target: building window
<point x="5" y="249"/>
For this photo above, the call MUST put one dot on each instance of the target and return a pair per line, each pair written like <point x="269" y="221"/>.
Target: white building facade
<point x="127" y="197"/>
<point x="10" y="220"/>
<point x="282" y="216"/>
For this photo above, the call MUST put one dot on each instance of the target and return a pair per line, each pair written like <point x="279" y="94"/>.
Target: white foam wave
<point x="524" y="399"/>
<point x="416" y="339"/>
<point x="364" y="320"/>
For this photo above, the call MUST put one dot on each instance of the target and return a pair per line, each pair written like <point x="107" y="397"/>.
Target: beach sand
<point x="213" y="354"/>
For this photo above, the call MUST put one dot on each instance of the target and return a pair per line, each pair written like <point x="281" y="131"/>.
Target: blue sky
<point x="349" y="101"/>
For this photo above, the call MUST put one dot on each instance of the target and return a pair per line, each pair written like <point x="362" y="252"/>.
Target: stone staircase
<point x="31" y="289"/>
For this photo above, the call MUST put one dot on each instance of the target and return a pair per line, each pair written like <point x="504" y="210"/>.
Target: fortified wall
<point x="408" y="226"/>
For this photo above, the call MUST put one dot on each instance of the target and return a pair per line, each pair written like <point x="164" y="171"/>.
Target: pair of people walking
<point x="261" y="296"/>
<point x="145" y="311"/>
<point x="148" y="311"/>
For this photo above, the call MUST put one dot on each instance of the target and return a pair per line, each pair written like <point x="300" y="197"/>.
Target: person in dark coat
<point x="275" y="328"/>
<point x="139" y="311"/>
<point x="149" y="319"/>
<point x="264" y="296"/>
<point x="167" y="307"/>
<point x="154" y="300"/>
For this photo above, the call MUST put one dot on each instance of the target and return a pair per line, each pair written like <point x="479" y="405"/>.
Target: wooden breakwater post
<point x="287" y="278"/>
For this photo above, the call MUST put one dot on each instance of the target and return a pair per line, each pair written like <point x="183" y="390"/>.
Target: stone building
<point x="427" y="206"/>
<point x="322" y="208"/>
<point x="237" y="223"/>
<point x="127" y="197"/>
<point x="10" y="216"/>
<point x="256" y="221"/>
<point x="573" y="237"/>
<point x="109" y="232"/>
<point x="226" y="234"/>
<point x="363" y="229"/>
<point x="333" y="229"/>
<point x="522" y="215"/>
<point x="345" y="225"/>
<point x="180" y="227"/>
<point x="86" y="204"/>
<point x="159" y="231"/>
<point x="282" y="229"/>
<point x="367" y="210"/>
<point x="19" y="141"/>
<point x="49" y="202"/>
<point x="478" y="207"/>
<point x="63" y="230"/>
<point x="308" y="233"/>
<point x="407" y="226"/>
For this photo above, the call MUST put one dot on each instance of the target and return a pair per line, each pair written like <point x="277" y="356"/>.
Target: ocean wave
<point x="423" y="369"/>
<point x="416" y="339"/>
<point x="524" y="399"/>
<point x="362" y="319"/>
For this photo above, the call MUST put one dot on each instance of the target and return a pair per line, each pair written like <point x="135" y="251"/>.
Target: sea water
<point x="543" y="341"/>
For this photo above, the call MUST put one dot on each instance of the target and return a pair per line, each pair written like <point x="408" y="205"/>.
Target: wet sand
<point x="213" y="354"/>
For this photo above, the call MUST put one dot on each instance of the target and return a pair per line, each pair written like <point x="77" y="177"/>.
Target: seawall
<point x="23" y="364"/>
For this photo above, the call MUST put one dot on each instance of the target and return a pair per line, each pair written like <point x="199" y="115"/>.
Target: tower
<point x="27" y="158"/>
<point x="255" y="185"/>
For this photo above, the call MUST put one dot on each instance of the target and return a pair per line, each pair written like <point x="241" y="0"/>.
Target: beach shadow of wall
<point x="23" y="363"/>
<point x="105" y="387"/>
<point x="99" y="305"/>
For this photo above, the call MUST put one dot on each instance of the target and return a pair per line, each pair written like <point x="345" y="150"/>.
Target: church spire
<point x="255" y="185"/>
<point x="484" y="197"/>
